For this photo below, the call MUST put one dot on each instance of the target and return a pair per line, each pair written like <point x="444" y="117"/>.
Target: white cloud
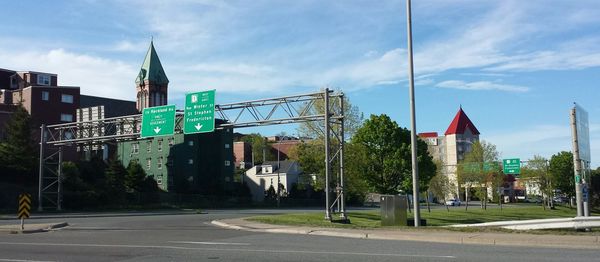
<point x="94" y="75"/>
<point x="424" y="82"/>
<point x="128" y="46"/>
<point x="232" y="68"/>
<point x="480" y="85"/>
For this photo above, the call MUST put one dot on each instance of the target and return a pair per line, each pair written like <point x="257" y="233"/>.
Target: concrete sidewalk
<point x="425" y="235"/>
<point x="30" y="228"/>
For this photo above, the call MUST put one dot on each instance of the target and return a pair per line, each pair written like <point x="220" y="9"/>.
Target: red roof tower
<point x="460" y="123"/>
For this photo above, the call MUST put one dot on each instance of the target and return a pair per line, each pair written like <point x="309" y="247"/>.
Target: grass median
<point x="437" y="217"/>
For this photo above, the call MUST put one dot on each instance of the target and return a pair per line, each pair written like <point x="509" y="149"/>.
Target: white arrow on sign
<point x="157" y="129"/>
<point x="198" y="126"/>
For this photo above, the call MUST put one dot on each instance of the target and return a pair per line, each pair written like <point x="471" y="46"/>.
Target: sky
<point x="515" y="67"/>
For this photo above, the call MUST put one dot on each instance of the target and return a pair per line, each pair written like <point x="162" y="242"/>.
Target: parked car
<point x="453" y="202"/>
<point x="535" y="199"/>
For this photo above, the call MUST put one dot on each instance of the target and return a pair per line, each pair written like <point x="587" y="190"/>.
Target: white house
<point x="260" y="177"/>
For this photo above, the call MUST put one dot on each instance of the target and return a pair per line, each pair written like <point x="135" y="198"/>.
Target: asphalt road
<point x="191" y="237"/>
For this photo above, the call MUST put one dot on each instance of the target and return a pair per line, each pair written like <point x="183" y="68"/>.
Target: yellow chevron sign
<point x="24" y="206"/>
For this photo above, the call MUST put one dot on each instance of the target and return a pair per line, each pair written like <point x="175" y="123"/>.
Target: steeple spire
<point x="460" y="123"/>
<point x="151" y="82"/>
<point x="152" y="69"/>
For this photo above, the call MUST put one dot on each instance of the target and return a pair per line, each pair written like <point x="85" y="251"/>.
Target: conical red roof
<point x="460" y="123"/>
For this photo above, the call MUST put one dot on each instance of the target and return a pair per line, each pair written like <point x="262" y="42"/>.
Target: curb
<point x="591" y="242"/>
<point x="38" y="230"/>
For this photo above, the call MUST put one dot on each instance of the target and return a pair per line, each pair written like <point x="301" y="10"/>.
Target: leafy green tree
<point x="595" y="188"/>
<point x="149" y="190"/>
<point x="134" y="180"/>
<point x="92" y="172"/>
<point x="310" y="156"/>
<point x="387" y="156"/>
<point x="261" y="150"/>
<point x="356" y="187"/>
<point x="440" y="185"/>
<point x="115" y="182"/>
<point x="480" y="170"/>
<point x="562" y="173"/>
<point x="315" y="129"/>
<point x="17" y="153"/>
<point x="537" y="173"/>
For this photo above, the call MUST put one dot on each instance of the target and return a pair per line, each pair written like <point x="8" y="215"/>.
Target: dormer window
<point x="267" y="169"/>
<point x="13" y="82"/>
<point x="43" y="80"/>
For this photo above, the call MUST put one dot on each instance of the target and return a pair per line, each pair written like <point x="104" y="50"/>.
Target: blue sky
<point x="516" y="67"/>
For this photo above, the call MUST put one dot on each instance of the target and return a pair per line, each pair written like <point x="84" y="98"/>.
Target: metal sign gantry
<point x="261" y="112"/>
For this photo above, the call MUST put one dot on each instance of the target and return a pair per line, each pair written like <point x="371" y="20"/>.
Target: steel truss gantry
<point x="261" y="112"/>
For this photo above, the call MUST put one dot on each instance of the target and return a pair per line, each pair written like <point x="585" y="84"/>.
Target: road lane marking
<point x="22" y="260"/>
<point x="210" y="243"/>
<point x="234" y="250"/>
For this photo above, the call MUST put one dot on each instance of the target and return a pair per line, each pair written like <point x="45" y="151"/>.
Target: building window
<point x="190" y="161"/>
<point x="149" y="146"/>
<point x="226" y="145"/>
<point x="66" y="99"/>
<point x="170" y="142"/>
<point x="159" y="180"/>
<point x="227" y="163"/>
<point x="191" y="143"/>
<point x="159" y="145"/>
<point x="43" y="80"/>
<point x="13" y="82"/>
<point x="159" y="162"/>
<point x="135" y="148"/>
<point x="66" y="117"/>
<point x="148" y="163"/>
<point x="45" y="95"/>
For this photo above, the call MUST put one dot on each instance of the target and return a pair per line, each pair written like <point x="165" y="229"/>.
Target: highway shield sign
<point x="199" y="112"/>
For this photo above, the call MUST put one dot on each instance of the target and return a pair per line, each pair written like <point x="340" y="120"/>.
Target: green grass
<point x="437" y="217"/>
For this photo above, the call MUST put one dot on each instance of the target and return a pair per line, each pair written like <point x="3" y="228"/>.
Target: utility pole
<point x="327" y="162"/>
<point x="413" y="125"/>
<point x="580" y="159"/>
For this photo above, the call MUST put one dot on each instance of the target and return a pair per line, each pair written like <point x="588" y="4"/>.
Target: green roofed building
<point x="198" y="163"/>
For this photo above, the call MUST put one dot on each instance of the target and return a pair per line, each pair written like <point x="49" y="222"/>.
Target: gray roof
<point x="284" y="166"/>
<point x="112" y="107"/>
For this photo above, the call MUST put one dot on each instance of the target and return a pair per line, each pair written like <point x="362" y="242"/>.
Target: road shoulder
<point x="437" y="236"/>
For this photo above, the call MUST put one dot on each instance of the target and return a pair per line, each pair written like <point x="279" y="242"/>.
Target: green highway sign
<point x="512" y="166"/>
<point x="476" y="167"/>
<point x="199" y="112"/>
<point x="158" y="121"/>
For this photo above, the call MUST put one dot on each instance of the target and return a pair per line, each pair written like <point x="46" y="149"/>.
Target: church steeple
<point x="152" y="82"/>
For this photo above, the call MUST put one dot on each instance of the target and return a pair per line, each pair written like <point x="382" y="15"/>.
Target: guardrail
<point x="553" y="223"/>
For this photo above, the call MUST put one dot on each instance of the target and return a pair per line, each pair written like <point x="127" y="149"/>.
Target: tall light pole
<point x="413" y="126"/>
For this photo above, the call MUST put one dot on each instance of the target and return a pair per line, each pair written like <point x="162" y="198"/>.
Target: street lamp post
<point x="413" y="126"/>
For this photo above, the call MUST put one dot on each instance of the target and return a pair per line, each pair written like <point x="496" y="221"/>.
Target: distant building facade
<point x="261" y="177"/>
<point x="242" y="152"/>
<point x="198" y="163"/>
<point x="451" y="148"/>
